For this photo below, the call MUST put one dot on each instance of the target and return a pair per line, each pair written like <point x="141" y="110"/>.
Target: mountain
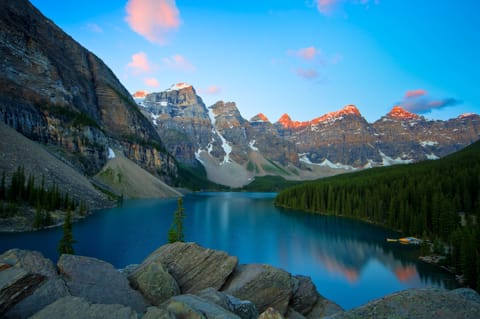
<point x="230" y="148"/>
<point x="234" y="150"/>
<point x="56" y="92"/>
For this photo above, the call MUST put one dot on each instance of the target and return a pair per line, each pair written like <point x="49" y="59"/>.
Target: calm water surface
<point x="349" y="261"/>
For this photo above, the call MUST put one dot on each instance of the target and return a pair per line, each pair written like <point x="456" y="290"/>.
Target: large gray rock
<point x="324" y="308"/>
<point x="158" y="313"/>
<point x="28" y="282"/>
<point x="264" y="285"/>
<point x="193" y="267"/>
<point x="194" y="305"/>
<point x="99" y="282"/>
<point x="304" y="295"/>
<point x="78" y="308"/>
<point x="420" y="303"/>
<point x="270" y="313"/>
<point x="154" y="282"/>
<point x="245" y="309"/>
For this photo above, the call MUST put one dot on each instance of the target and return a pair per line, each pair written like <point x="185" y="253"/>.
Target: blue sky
<point x="301" y="57"/>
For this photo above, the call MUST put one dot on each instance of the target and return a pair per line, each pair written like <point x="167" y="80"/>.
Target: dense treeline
<point x="23" y="190"/>
<point x="428" y="199"/>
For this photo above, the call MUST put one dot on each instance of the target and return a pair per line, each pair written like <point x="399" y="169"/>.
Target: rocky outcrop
<point x="98" y="282"/>
<point x="28" y="282"/>
<point x="79" y="308"/>
<point x="419" y="304"/>
<point x="191" y="306"/>
<point x="245" y="309"/>
<point x="193" y="267"/>
<point x="183" y="122"/>
<point x="54" y="91"/>
<point x="31" y="286"/>
<point x="154" y="282"/>
<point x="264" y="285"/>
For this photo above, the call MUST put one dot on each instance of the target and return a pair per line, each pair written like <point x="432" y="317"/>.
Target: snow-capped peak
<point x="465" y="115"/>
<point x="179" y="86"/>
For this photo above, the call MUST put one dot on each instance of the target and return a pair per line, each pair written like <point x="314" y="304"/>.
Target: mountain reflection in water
<point x="349" y="261"/>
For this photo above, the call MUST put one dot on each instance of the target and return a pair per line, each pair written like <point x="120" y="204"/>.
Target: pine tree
<point x="3" y="187"/>
<point x="65" y="246"/>
<point x="175" y="233"/>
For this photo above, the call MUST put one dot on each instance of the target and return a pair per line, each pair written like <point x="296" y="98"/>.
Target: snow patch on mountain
<point x="154" y="118"/>
<point x="252" y="145"/>
<point x="111" y="153"/>
<point x="178" y="86"/>
<point x="388" y="161"/>
<point x="303" y="157"/>
<point x="432" y="156"/>
<point x="428" y="143"/>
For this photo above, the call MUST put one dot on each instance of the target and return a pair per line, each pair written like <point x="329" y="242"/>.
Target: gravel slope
<point x="127" y="178"/>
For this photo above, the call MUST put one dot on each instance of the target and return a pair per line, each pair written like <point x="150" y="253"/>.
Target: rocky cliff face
<point x="339" y="137"/>
<point x="411" y="137"/>
<point x="55" y="91"/>
<point x="183" y="122"/>
<point x="217" y="137"/>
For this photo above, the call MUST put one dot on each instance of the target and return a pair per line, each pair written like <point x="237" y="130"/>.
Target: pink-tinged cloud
<point x="152" y="82"/>
<point x="211" y="90"/>
<point x="326" y="6"/>
<point x="415" y="93"/>
<point x="418" y="101"/>
<point x="308" y="74"/>
<point x="153" y="19"/>
<point x="307" y="53"/>
<point x="140" y="64"/>
<point x="179" y="62"/>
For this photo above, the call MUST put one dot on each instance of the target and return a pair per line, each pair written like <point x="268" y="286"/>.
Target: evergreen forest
<point x="23" y="190"/>
<point x="434" y="200"/>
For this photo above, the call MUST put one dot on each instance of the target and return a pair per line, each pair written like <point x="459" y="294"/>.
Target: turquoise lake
<point x="349" y="261"/>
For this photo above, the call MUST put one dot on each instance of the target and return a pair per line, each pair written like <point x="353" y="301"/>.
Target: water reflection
<point x="350" y="262"/>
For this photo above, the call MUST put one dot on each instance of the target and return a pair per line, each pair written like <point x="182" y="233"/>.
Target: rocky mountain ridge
<point x="185" y="280"/>
<point x="225" y="143"/>
<point x="54" y="91"/>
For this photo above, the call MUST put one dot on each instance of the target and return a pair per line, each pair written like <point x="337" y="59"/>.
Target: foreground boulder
<point x="193" y="267"/>
<point x="191" y="306"/>
<point x="79" y="308"/>
<point x="264" y="285"/>
<point x="420" y="304"/>
<point x="98" y="282"/>
<point x="306" y="300"/>
<point x="154" y="282"/>
<point x="245" y="309"/>
<point x="28" y="282"/>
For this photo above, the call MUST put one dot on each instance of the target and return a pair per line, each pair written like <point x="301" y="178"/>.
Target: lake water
<point x="349" y="261"/>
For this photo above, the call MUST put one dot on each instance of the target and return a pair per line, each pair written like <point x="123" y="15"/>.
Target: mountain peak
<point x="179" y="86"/>
<point x="465" y="115"/>
<point x="286" y="121"/>
<point x="346" y="110"/>
<point x="260" y="117"/>
<point x="400" y="113"/>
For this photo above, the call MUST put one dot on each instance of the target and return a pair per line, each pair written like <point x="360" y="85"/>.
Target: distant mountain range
<point x="60" y="95"/>
<point x="234" y="150"/>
